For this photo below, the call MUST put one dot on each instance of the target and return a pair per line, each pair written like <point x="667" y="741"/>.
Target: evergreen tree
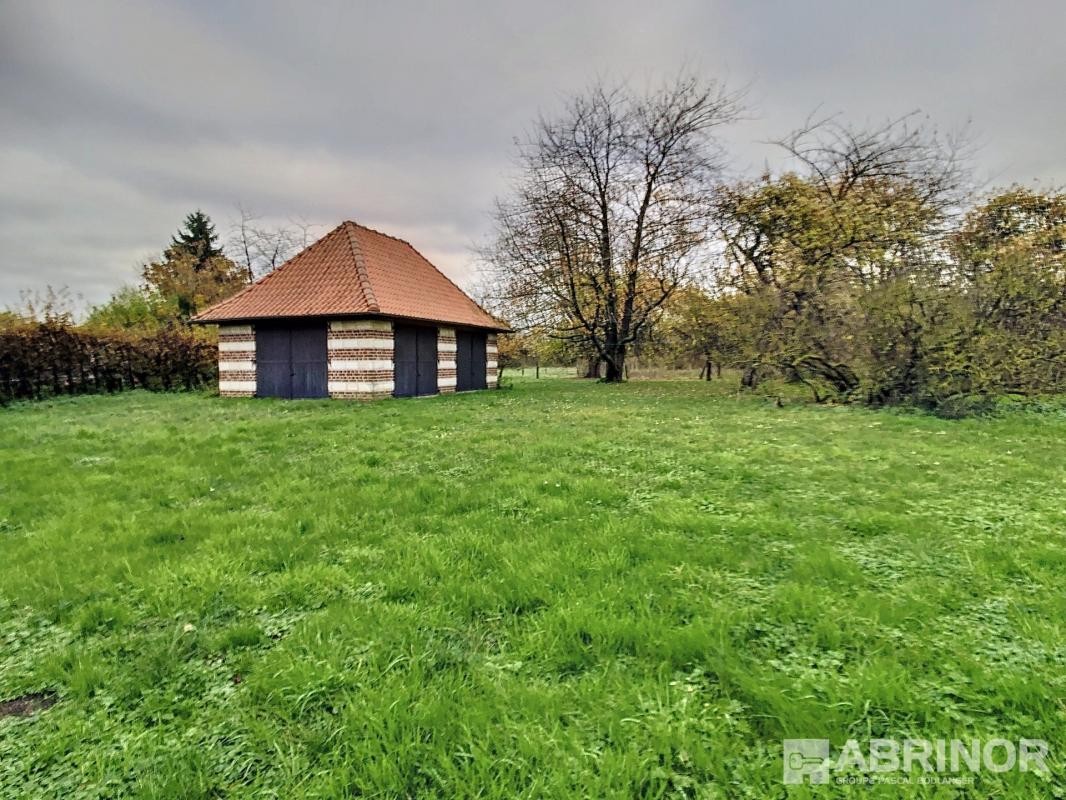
<point x="192" y="274"/>
<point x="196" y="239"/>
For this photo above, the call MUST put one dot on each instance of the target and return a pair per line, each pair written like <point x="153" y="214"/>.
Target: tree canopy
<point x="610" y="212"/>
<point x="867" y="270"/>
<point x="196" y="239"/>
<point x="191" y="274"/>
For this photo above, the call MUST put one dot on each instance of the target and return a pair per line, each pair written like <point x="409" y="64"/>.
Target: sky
<point x="118" y="118"/>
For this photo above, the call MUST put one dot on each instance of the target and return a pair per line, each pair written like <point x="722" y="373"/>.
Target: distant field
<point x="561" y="589"/>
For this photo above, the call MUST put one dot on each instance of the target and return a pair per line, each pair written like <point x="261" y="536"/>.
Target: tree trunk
<point x="592" y="370"/>
<point x="616" y="362"/>
<point x="614" y="356"/>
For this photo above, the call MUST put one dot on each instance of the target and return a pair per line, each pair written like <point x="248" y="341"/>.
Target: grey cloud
<point x="118" y="118"/>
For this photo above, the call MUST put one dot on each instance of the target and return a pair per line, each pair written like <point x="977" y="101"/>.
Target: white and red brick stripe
<point x="491" y="361"/>
<point x="360" y="359"/>
<point x="236" y="361"/>
<point x="446" y="360"/>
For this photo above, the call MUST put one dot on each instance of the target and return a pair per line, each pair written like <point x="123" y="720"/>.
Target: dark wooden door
<point x="273" y="361"/>
<point x="477" y="361"/>
<point x="427" y="361"/>
<point x="414" y="360"/>
<point x="470" y="360"/>
<point x="405" y="360"/>
<point x="310" y="361"/>
<point x="291" y="360"/>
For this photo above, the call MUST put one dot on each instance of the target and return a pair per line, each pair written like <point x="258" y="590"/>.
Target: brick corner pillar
<point x="360" y="359"/>
<point x="491" y="361"/>
<point x="236" y="361"/>
<point x="446" y="360"/>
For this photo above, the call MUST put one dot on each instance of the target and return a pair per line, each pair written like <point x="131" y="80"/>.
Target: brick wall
<point x="491" y="362"/>
<point x="360" y="359"/>
<point x="446" y="360"/>
<point x="236" y="361"/>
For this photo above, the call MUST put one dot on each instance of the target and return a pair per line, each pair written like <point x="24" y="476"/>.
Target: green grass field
<point x="562" y="589"/>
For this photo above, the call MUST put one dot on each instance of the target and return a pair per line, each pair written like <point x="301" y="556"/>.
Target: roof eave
<point x="497" y="327"/>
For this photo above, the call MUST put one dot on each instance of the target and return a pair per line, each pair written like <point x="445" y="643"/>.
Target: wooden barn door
<point x="427" y="361"/>
<point x="310" y="360"/>
<point x="273" y="361"/>
<point x="470" y="360"/>
<point x="291" y="360"/>
<point x="405" y="360"/>
<point x="414" y="360"/>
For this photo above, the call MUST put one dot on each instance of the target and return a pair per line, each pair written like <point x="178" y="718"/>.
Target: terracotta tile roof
<point x="354" y="270"/>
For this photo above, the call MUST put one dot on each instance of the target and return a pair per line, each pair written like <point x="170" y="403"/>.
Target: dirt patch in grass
<point x="27" y="705"/>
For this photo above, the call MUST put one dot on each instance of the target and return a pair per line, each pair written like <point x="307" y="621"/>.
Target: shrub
<point x="44" y="359"/>
<point x="962" y="406"/>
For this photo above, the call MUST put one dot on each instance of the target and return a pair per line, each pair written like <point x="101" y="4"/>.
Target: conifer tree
<point x="197" y="239"/>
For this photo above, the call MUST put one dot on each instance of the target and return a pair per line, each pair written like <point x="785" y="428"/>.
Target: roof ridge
<point x="360" y="268"/>
<point x="379" y="233"/>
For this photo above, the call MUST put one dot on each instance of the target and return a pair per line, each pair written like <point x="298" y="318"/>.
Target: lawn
<point x="561" y="589"/>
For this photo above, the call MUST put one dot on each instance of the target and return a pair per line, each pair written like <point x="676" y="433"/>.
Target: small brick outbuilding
<point x="358" y="314"/>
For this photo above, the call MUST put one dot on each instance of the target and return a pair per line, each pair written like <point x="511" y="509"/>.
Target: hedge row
<point x="52" y="358"/>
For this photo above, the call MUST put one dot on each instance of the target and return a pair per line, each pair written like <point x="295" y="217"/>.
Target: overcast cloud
<point x="118" y="118"/>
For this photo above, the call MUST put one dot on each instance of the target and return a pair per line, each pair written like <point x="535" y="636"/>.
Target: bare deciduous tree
<point x="908" y="150"/>
<point x="259" y="249"/>
<point x="611" y="212"/>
